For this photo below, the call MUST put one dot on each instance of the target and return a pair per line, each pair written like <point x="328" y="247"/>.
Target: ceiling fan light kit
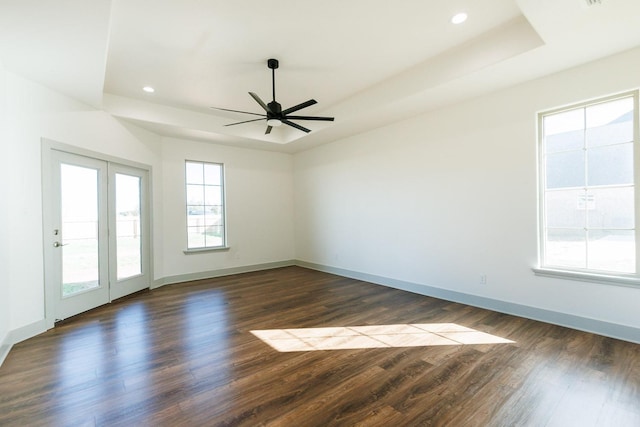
<point x="274" y="114"/>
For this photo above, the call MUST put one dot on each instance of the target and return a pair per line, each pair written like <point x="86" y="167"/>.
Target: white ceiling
<point x="366" y="62"/>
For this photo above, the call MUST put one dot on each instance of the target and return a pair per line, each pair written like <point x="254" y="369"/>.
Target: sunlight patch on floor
<point x="374" y="336"/>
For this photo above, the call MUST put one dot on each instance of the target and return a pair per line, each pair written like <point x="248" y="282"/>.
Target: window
<point x="587" y="187"/>
<point x="205" y="205"/>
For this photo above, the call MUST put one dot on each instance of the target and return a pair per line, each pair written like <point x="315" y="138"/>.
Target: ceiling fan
<point x="275" y="115"/>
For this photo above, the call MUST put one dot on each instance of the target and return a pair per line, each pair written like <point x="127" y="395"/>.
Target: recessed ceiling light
<point x="459" y="18"/>
<point x="148" y="89"/>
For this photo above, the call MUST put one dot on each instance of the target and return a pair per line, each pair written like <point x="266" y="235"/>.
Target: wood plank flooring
<point x="184" y="355"/>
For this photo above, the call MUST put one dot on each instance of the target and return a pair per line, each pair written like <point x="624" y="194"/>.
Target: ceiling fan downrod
<point x="273" y="64"/>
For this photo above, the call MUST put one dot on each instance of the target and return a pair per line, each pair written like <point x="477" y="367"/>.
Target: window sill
<point x="202" y="250"/>
<point x="630" y="281"/>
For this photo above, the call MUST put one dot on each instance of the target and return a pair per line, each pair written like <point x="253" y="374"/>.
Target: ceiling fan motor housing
<point x="275" y="109"/>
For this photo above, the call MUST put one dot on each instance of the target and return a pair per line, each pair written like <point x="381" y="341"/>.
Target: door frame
<point x="48" y="146"/>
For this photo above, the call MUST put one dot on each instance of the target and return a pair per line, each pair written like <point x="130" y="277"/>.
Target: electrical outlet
<point x="483" y="279"/>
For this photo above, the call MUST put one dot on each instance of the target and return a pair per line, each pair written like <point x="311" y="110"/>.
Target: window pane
<point x="195" y="216"/>
<point x="611" y="165"/>
<point x="79" y="209"/>
<point x="612" y="251"/>
<point x="195" y="173"/>
<point x="565" y="169"/>
<point x="565" y="248"/>
<point x="195" y="237"/>
<point x="80" y="230"/>
<point x="568" y="141"/>
<point x="612" y="133"/>
<point x="618" y="111"/>
<point x="567" y="121"/>
<point x="213" y="216"/>
<point x="212" y="174"/>
<point x="611" y="208"/>
<point x="214" y="236"/>
<point x="79" y="266"/>
<point x="212" y="195"/>
<point x="195" y="195"/>
<point x="128" y="242"/>
<point x="79" y="194"/>
<point x="566" y="209"/>
<point x="564" y="131"/>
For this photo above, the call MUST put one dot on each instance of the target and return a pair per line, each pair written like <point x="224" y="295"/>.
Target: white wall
<point x="4" y="221"/>
<point x="259" y="199"/>
<point x="34" y="112"/>
<point x="443" y="198"/>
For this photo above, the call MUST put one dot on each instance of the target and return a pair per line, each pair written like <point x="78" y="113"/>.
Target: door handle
<point x="58" y="244"/>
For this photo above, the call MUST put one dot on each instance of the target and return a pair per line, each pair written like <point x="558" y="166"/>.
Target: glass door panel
<point x="79" y="220"/>
<point x="128" y="240"/>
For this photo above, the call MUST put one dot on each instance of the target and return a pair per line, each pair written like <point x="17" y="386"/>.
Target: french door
<point x="129" y="230"/>
<point x="97" y="241"/>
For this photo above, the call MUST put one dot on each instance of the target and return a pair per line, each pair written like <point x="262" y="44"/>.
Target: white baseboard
<point x="219" y="273"/>
<point x="18" y="335"/>
<point x="5" y="348"/>
<point x="28" y="331"/>
<point x="599" y="327"/>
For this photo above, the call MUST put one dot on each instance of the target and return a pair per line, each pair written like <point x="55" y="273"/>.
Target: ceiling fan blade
<point x="238" y="111"/>
<point x="295" y="125"/>
<point x="261" y="102"/>
<point x="299" y="106"/>
<point x="326" y="119"/>
<point x="246" y="121"/>
<point x="268" y="131"/>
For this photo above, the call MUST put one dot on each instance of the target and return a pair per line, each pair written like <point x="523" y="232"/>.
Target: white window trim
<point x="211" y="249"/>
<point x="583" y="275"/>
<point x="587" y="276"/>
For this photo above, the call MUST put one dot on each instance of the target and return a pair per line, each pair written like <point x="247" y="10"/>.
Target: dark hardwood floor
<point x="186" y="355"/>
